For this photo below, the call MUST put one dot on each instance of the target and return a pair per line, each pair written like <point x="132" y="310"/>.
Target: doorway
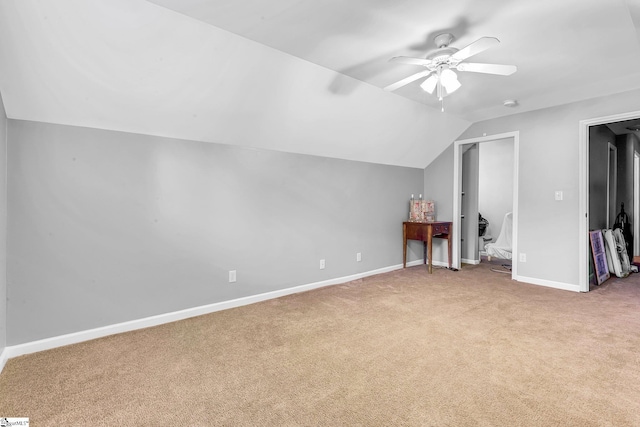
<point x="458" y="149"/>
<point x="583" y="212"/>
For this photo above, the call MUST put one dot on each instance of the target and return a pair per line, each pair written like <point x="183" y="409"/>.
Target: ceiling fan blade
<point x="407" y="80"/>
<point x="412" y="61"/>
<point x="503" y="70"/>
<point x="480" y="45"/>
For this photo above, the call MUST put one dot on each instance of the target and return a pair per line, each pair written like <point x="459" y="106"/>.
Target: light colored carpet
<point x="467" y="348"/>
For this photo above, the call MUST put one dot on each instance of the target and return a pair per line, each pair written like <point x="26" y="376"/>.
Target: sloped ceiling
<point x="300" y="75"/>
<point x="565" y="50"/>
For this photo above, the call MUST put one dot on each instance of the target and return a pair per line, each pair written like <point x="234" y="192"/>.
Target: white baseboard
<point x="413" y="264"/>
<point x="78" y="337"/>
<point x="548" y="283"/>
<point x="470" y="261"/>
<point x="3" y="359"/>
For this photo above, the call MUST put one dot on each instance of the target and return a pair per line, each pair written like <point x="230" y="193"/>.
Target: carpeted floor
<point x="466" y="348"/>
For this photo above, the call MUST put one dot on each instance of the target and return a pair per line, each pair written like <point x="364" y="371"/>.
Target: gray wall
<point x="626" y="145"/>
<point x="634" y="213"/>
<point x="549" y="161"/>
<point x="107" y="227"/>
<point x="3" y="226"/>
<point x="438" y="186"/>
<point x="599" y="139"/>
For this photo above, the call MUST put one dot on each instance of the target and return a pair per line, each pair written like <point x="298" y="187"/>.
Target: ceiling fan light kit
<point x="446" y="81"/>
<point x="429" y="85"/>
<point x="449" y="80"/>
<point x="440" y="64"/>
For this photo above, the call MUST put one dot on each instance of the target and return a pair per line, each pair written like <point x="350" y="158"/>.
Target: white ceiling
<point x="565" y="50"/>
<point x="304" y="76"/>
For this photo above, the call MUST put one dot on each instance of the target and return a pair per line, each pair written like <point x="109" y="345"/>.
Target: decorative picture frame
<point x="599" y="256"/>
<point x="422" y="211"/>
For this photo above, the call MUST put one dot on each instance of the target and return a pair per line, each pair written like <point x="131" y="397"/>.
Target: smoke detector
<point x="510" y="103"/>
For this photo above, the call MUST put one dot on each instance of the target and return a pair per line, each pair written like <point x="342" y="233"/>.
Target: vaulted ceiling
<point x="304" y="76"/>
<point x="565" y="50"/>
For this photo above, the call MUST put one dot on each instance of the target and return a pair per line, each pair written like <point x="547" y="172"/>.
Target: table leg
<point x="429" y="247"/>
<point x="404" y="246"/>
<point x="424" y="255"/>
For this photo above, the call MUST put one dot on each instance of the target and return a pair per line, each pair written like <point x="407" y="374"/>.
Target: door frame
<point x="636" y="203"/>
<point x="583" y="209"/>
<point x="457" y="193"/>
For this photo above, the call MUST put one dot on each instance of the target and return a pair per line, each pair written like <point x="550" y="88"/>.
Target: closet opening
<point x="485" y="202"/>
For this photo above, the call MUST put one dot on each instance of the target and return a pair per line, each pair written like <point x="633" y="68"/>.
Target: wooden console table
<point x="425" y="231"/>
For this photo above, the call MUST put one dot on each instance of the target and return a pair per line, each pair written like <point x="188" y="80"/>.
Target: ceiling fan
<point x="440" y="64"/>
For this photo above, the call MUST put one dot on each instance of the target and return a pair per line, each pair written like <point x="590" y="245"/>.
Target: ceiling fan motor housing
<point x="443" y="40"/>
<point x="443" y="52"/>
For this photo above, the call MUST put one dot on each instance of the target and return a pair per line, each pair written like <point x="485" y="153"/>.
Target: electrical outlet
<point x="321" y="264"/>
<point x="232" y="276"/>
<point x="358" y="257"/>
<point x="523" y="257"/>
